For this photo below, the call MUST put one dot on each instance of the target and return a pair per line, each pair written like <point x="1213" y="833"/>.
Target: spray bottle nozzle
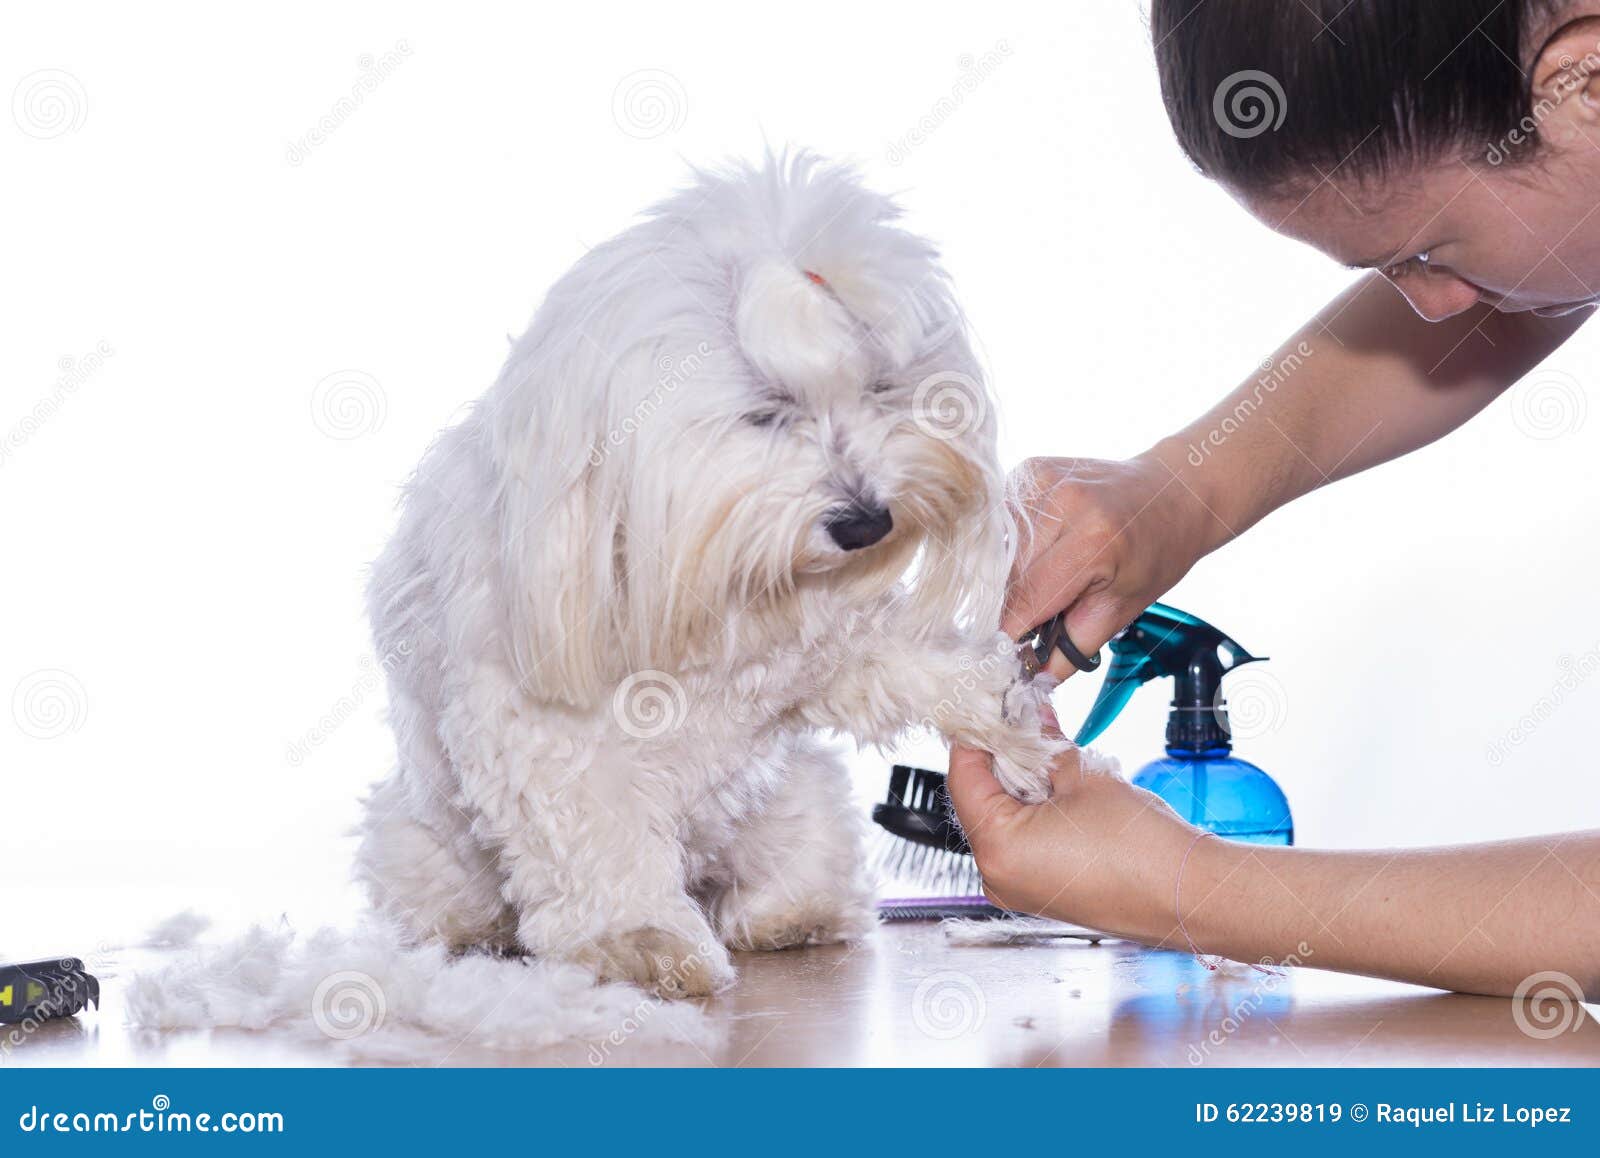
<point x="1165" y="641"/>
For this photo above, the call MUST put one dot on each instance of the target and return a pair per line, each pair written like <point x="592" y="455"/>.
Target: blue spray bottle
<point x="1199" y="777"/>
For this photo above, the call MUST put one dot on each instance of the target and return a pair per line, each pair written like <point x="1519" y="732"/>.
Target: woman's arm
<point x="1365" y="381"/>
<point x="1102" y="853"/>
<point x="1476" y="918"/>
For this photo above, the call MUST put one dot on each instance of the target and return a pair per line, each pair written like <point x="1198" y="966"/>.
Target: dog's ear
<point x="961" y="571"/>
<point x="970" y="535"/>
<point x="584" y="465"/>
<point x="559" y="514"/>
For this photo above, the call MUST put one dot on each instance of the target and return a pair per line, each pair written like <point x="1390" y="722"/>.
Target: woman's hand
<point x="1479" y="918"/>
<point x="1099" y="852"/>
<point x="1103" y="540"/>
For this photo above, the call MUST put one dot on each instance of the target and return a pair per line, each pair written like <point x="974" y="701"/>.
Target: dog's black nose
<point x="859" y="525"/>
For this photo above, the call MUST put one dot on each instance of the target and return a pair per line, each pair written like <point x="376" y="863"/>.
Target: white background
<point x="185" y="542"/>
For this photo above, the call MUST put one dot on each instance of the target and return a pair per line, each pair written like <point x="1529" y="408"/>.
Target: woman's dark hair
<point x="1269" y="94"/>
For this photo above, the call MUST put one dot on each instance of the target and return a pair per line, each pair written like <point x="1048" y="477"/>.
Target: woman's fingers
<point x="1098" y="616"/>
<point x="979" y="800"/>
<point x="1052" y="580"/>
<point x="1093" y="616"/>
<point x="1105" y="538"/>
<point x="1049" y="723"/>
<point x="1066" y="773"/>
<point x="972" y="782"/>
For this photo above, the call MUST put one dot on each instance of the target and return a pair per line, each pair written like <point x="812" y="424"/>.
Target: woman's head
<point x="1456" y="145"/>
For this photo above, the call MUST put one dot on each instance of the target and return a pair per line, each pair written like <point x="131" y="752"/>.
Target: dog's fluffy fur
<point x="613" y="614"/>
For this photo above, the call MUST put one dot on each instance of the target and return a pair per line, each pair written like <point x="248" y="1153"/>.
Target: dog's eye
<point x="881" y="387"/>
<point x="778" y="402"/>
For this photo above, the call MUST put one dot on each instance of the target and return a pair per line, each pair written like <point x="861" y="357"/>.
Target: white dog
<point x="735" y="484"/>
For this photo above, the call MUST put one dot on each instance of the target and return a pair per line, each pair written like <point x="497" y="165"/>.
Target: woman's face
<point x="1460" y="233"/>
<point x="1485" y="227"/>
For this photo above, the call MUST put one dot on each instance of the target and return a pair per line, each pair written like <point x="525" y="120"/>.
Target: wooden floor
<point x="909" y="997"/>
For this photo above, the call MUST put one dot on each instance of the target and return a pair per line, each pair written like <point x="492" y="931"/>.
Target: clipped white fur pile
<point x="366" y="992"/>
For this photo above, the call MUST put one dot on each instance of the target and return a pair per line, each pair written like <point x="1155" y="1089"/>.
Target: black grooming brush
<point x="929" y="865"/>
<point x="928" y="856"/>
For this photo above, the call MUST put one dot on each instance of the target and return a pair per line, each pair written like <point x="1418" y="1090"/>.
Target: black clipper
<point x="39" y="990"/>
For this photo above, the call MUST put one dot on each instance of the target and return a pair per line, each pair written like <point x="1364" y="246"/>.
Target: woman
<point x="1454" y="150"/>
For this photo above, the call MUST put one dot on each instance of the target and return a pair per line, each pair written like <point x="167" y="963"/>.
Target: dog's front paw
<point x="1022" y="701"/>
<point x="1002" y="711"/>
<point x="657" y="959"/>
<point x="1022" y="764"/>
<point x="1022" y="753"/>
<point x="774" y="921"/>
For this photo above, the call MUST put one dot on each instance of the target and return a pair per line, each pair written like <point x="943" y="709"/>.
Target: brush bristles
<point x="906" y="869"/>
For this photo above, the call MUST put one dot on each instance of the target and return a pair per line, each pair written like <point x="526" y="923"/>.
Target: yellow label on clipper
<point x="5" y="995"/>
<point x="35" y="992"/>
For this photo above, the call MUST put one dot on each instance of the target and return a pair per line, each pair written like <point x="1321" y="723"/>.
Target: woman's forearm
<point x="1365" y="381"/>
<point x="1475" y="918"/>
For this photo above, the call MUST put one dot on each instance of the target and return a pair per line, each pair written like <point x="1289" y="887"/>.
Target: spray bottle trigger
<point x="1235" y="656"/>
<point x="1162" y="641"/>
